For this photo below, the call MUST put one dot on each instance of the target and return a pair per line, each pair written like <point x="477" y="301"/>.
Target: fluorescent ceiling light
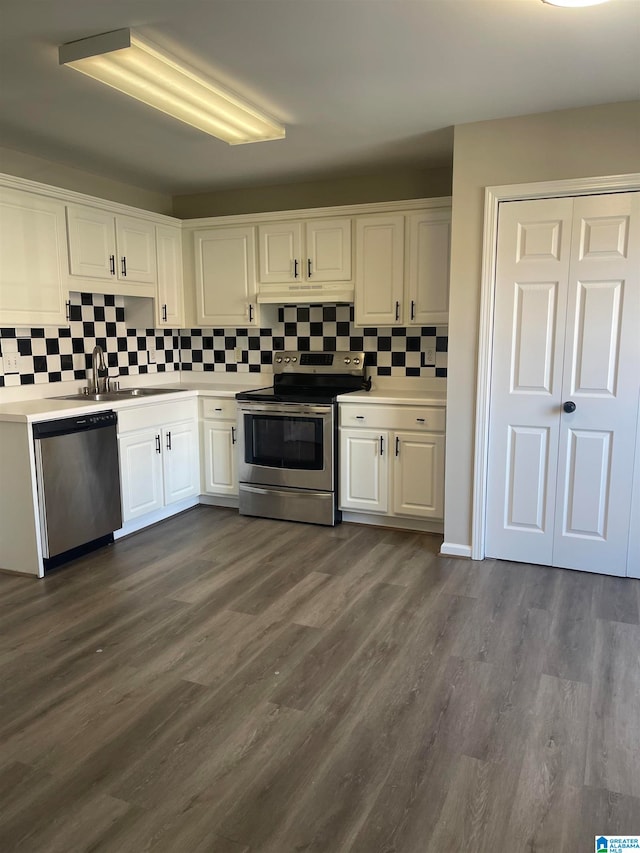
<point x="574" y="3"/>
<point x="133" y="66"/>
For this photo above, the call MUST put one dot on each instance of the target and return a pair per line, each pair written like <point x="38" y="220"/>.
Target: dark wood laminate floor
<point x="219" y="684"/>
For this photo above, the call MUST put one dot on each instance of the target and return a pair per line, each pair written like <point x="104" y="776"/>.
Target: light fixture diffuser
<point x="574" y="3"/>
<point x="135" y="67"/>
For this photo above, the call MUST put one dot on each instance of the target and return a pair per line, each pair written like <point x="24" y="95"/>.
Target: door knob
<point x="569" y="406"/>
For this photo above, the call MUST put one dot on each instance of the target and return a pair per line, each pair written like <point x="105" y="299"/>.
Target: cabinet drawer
<point x="427" y="418"/>
<point x="218" y="408"/>
<point x="154" y="414"/>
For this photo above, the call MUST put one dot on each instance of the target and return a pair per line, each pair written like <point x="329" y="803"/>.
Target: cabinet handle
<point x="158" y="448"/>
<point x="420" y="420"/>
<point x="397" y="446"/>
<point x="359" y="417"/>
<point x="124" y="266"/>
<point x="397" y="310"/>
<point x="217" y="410"/>
<point x="68" y="307"/>
<point x="381" y="446"/>
<point x="233" y="435"/>
<point x="308" y="267"/>
<point x="413" y="311"/>
<point x="295" y="268"/>
<point x="164" y="313"/>
<point x="250" y="313"/>
<point x="169" y="440"/>
<point x="112" y="264"/>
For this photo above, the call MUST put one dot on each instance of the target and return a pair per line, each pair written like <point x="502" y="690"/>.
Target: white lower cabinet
<point x="219" y="444"/>
<point x="392" y="460"/>
<point x="364" y="470"/>
<point x="159" y="462"/>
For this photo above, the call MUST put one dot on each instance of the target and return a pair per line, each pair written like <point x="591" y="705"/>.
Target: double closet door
<point x="565" y="383"/>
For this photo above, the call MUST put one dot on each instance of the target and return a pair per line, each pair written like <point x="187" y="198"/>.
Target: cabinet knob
<point x="347" y="361"/>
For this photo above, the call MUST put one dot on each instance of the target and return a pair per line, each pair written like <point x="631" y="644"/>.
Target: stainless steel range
<point x="287" y="435"/>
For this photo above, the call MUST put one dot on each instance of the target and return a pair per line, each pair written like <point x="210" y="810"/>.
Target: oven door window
<point x="285" y="441"/>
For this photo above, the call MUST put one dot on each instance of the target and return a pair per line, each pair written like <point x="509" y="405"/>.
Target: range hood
<point x="282" y="294"/>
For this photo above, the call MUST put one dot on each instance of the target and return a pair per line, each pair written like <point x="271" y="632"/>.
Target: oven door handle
<point x="274" y="409"/>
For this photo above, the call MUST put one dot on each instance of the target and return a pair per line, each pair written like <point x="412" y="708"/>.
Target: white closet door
<point x="534" y="239"/>
<point x="601" y="377"/>
<point x="566" y="330"/>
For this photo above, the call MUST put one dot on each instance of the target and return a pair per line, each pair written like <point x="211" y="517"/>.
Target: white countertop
<point x="32" y="411"/>
<point x="24" y="410"/>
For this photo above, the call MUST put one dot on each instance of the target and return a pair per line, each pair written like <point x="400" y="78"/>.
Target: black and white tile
<point x="62" y="354"/>
<point x="417" y="352"/>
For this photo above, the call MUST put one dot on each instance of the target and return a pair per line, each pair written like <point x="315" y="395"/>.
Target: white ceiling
<point x="360" y="84"/>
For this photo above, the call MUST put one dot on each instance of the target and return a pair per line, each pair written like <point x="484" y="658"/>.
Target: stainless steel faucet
<point x="100" y="372"/>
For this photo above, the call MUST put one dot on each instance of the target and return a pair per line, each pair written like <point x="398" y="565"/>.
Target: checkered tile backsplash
<point x="317" y="328"/>
<point x="55" y="355"/>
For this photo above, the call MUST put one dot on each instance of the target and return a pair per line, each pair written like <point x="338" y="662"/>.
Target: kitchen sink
<point x="120" y="394"/>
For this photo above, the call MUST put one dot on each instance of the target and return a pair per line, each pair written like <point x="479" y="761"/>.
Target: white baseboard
<point x="230" y="501"/>
<point x="450" y="549"/>
<point x="418" y="524"/>
<point x="154" y="517"/>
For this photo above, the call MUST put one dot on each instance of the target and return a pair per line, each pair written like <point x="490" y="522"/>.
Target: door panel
<point x="529" y="319"/>
<point x="597" y="333"/>
<point x="528" y="462"/>
<point x="587" y="484"/>
<point x="602" y="353"/>
<point x="534" y="336"/>
<point x="560" y="483"/>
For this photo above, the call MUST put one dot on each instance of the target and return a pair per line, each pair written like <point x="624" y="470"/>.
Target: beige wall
<point x="382" y="186"/>
<point x="23" y="165"/>
<point x="586" y="142"/>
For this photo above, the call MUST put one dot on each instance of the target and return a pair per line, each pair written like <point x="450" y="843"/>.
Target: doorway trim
<point x="493" y="196"/>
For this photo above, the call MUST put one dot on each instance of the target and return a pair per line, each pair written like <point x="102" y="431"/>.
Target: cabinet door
<point x="379" y="270"/>
<point x="220" y="469"/>
<point x="328" y="250"/>
<point x="32" y="260"/>
<point x="92" y="242"/>
<point x="225" y="267"/>
<point x="180" y="455"/>
<point x="418" y="475"/>
<point x="427" y="251"/>
<point x="280" y="252"/>
<point x="136" y="242"/>
<point x="364" y="470"/>
<point x="169" y="304"/>
<point x="140" y="472"/>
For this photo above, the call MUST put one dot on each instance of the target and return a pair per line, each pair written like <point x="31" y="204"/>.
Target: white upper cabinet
<point x="113" y="247"/>
<point x="225" y="276"/>
<point x="427" y="272"/>
<point x="280" y="252"/>
<point x="379" y="270"/>
<point x="169" y="302"/>
<point x="402" y="268"/>
<point x="136" y="244"/>
<point x="32" y="260"/>
<point x="305" y="251"/>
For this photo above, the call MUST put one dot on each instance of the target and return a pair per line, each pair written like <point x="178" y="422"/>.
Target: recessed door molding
<point x="493" y="197"/>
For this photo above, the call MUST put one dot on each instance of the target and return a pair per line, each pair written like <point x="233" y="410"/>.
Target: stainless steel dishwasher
<point x="78" y="479"/>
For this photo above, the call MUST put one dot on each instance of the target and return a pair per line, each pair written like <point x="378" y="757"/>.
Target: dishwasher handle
<point x="80" y="423"/>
